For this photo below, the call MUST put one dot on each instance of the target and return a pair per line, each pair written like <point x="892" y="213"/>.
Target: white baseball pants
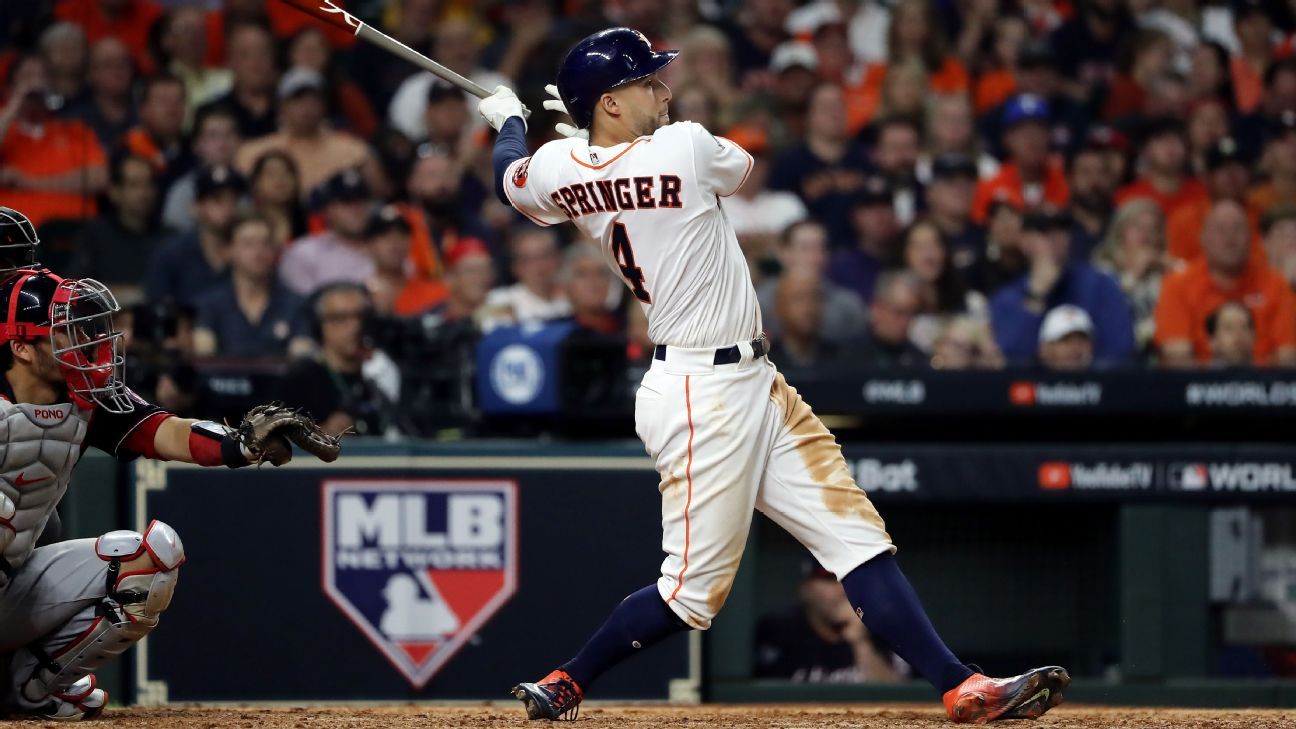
<point x="730" y="438"/>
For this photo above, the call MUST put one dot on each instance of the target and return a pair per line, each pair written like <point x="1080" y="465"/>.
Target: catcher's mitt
<point x="267" y="429"/>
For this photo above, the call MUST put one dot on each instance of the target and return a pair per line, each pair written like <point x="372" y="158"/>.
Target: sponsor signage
<point x="1024" y="393"/>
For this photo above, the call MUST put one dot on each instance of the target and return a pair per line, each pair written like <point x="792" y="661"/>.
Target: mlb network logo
<point x="419" y="566"/>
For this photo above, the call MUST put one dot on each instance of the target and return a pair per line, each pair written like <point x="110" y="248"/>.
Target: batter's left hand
<point x="556" y="104"/>
<point x="500" y="106"/>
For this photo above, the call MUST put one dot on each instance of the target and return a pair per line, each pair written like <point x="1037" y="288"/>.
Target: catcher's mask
<point x="76" y="316"/>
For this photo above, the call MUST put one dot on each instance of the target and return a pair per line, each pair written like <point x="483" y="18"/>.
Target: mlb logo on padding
<point x="419" y="566"/>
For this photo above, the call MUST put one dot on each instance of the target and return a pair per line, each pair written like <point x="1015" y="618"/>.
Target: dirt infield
<point x="595" y="716"/>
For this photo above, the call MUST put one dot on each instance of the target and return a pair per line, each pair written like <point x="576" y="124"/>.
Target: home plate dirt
<point x="596" y="716"/>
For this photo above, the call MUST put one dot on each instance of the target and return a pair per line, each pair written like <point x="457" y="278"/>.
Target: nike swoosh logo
<point x="20" y="481"/>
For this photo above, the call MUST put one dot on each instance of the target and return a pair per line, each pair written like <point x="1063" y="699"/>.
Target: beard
<point x="1094" y="203"/>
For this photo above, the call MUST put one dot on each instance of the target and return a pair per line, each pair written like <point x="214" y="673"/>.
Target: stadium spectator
<point x="413" y="24"/>
<point x="706" y="64"/>
<point x="392" y="289"/>
<point x="250" y="314"/>
<point x="886" y="343"/>
<point x="215" y="141"/>
<point x="1148" y="58"/>
<point x="129" y="21"/>
<point x="438" y="212"/>
<point x="456" y="49"/>
<point x="1066" y="339"/>
<point x="758" y="214"/>
<point x="309" y="48"/>
<point x="1279" y="161"/>
<point x="1254" y="30"/>
<point x="894" y="155"/>
<point x="951" y="130"/>
<point x="795" y="67"/>
<point x="758" y="29"/>
<point x="1208" y="125"/>
<point x="448" y="123"/>
<point x="181" y="51"/>
<point x="344" y="385"/>
<point x="469" y="275"/>
<point x="997" y="80"/>
<point x="116" y="246"/>
<point x="1004" y="259"/>
<point x="194" y="261"/>
<point x="340" y="252"/>
<point x="1053" y="279"/>
<point x="924" y="253"/>
<point x="798" y="303"/>
<point x="276" y="193"/>
<point x="1232" y="333"/>
<point x="1225" y="272"/>
<point x="320" y="152"/>
<point x="1228" y="177"/>
<point x="159" y="137"/>
<point x="965" y="342"/>
<point x="49" y="168"/>
<point x="1088" y="44"/>
<point x="1163" y="165"/>
<point x="1092" y="179"/>
<point x="538" y="294"/>
<point x="803" y="248"/>
<point x="1030" y="178"/>
<point x="915" y="36"/>
<point x="1209" y="76"/>
<point x="250" y="53"/>
<point x="1279" y="98"/>
<point x="587" y="284"/>
<point x="949" y="208"/>
<point x="1038" y="75"/>
<point x="63" y="46"/>
<point x="1279" y="226"/>
<point x="828" y="169"/>
<point x="821" y="640"/>
<point x="1134" y="252"/>
<point x="107" y="106"/>
<point x="875" y="229"/>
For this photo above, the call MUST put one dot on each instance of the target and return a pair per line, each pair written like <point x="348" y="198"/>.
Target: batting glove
<point x="556" y="104"/>
<point x="500" y="106"/>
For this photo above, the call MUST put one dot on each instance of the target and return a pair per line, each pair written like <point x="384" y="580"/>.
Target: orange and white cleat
<point x="553" y="697"/>
<point x="980" y="699"/>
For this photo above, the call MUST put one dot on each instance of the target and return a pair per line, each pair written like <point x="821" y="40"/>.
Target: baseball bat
<point x="329" y="12"/>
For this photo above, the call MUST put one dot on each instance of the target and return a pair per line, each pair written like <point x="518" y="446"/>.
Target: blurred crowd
<point x="938" y="183"/>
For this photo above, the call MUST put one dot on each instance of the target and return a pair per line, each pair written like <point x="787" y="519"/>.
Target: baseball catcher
<point x="69" y="607"/>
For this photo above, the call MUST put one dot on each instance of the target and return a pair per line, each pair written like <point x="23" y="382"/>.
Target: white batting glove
<point x="500" y="106"/>
<point x="556" y="104"/>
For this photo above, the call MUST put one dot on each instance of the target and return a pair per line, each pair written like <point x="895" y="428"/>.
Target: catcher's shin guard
<point x="141" y="577"/>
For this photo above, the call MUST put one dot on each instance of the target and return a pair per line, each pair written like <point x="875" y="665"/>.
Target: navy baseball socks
<point x="639" y="621"/>
<point x="889" y="607"/>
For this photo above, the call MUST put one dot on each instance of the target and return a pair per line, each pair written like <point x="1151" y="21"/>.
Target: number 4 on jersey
<point x="624" y="255"/>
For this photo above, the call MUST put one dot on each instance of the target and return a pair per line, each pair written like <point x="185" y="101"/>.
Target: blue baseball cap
<point x="1026" y="108"/>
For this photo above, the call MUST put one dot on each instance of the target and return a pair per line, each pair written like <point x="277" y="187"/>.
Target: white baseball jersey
<point x="654" y="206"/>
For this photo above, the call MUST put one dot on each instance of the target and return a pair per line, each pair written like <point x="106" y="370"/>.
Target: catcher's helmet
<point x="18" y="242"/>
<point x="76" y="317"/>
<point x="603" y="61"/>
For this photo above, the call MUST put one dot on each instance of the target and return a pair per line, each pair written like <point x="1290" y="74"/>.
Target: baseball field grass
<point x="785" y="716"/>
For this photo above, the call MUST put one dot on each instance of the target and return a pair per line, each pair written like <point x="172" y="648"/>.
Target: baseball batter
<point x="728" y="434"/>
<point x="68" y="607"/>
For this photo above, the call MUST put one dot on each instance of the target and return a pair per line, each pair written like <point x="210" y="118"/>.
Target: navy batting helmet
<point x="603" y="61"/>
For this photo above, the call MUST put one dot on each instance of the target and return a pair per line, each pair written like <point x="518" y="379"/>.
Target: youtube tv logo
<point x="1055" y="476"/>
<point x="1022" y="393"/>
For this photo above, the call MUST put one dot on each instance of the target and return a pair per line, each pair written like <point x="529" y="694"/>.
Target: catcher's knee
<point x="142" y="570"/>
<point x="139" y="581"/>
